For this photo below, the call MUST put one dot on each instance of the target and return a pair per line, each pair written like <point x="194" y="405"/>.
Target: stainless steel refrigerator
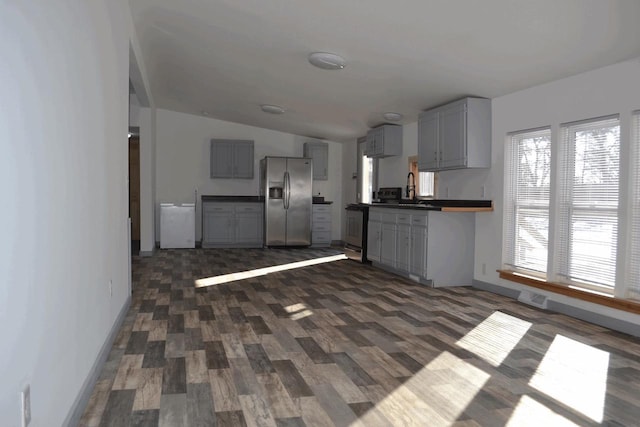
<point x="287" y="191"/>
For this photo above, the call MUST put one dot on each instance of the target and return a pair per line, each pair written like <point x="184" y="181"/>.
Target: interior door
<point x="299" y="202"/>
<point x="134" y="187"/>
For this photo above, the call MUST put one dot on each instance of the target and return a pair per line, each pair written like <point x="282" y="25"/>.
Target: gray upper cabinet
<point x="384" y="141"/>
<point x="455" y="136"/>
<point x="231" y="158"/>
<point x="319" y="153"/>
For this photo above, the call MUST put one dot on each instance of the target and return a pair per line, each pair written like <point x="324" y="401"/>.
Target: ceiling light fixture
<point x="327" y="61"/>
<point x="392" y="117"/>
<point x="272" y="109"/>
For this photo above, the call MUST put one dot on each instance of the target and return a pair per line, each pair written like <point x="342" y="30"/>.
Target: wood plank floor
<point x="340" y="343"/>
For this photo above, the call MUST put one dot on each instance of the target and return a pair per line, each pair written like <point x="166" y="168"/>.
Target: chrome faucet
<point x="411" y="186"/>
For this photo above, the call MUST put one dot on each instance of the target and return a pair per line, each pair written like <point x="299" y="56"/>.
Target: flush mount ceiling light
<point x="272" y="109"/>
<point x="327" y="61"/>
<point x="392" y="117"/>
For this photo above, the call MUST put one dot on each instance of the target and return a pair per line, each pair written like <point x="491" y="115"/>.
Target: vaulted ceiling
<point x="227" y="57"/>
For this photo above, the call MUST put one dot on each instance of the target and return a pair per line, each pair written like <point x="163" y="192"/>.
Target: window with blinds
<point x="588" y="180"/>
<point x="426" y="184"/>
<point x="633" y="270"/>
<point x="527" y="188"/>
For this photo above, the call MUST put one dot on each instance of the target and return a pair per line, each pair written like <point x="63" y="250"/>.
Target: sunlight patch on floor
<point x="434" y="396"/>
<point x="231" y="277"/>
<point x="298" y="311"/>
<point x="574" y="374"/>
<point x="530" y="412"/>
<point x="494" y="338"/>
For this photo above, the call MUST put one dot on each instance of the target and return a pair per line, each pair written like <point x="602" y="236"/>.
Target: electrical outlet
<point x="482" y="191"/>
<point x="484" y="269"/>
<point x="26" y="405"/>
<point x="110" y="287"/>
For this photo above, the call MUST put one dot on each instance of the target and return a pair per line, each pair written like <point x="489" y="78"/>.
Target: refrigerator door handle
<point x="287" y="190"/>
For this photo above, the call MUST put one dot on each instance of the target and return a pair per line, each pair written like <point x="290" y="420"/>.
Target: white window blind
<point x="527" y="184"/>
<point x="633" y="266"/>
<point x="588" y="203"/>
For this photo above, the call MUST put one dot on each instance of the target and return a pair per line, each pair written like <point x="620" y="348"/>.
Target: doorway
<point x="134" y="192"/>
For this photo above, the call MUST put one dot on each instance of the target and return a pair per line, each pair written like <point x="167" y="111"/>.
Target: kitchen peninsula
<point x="431" y="242"/>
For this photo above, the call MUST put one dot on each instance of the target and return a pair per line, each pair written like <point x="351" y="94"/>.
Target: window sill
<point x="584" y="295"/>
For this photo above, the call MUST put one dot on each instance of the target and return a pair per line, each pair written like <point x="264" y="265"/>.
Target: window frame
<point x="513" y="205"/>
<point x="567" y="207"/>
<point x="361" y="195"/>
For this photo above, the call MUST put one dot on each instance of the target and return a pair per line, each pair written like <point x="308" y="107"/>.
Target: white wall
<point x="182" y="161"/>
<point x="63" y="169"/>
<point x="134" y="110"/>
<point x="392" y="171"/>
<point x="609" y="90"/>
<point x="147" y="123"/>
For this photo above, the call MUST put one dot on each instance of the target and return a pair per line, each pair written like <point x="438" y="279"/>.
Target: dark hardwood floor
<point x="340" y="343"/>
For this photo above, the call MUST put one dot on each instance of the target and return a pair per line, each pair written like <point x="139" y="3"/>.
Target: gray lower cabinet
<point x="418" y="246"/>
<point x="321" y="226"/>
<point x="232" y="225"/>
<point x="231" y="159"/>
<point x="374" y="229"/>
<point x="433" y="247"/>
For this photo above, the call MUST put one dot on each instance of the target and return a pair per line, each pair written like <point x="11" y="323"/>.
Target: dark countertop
<point x="433" y="205"/>
<point x="248" y="199"/>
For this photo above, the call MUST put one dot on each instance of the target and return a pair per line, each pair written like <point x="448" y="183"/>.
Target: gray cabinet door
<point x="248" y="228"/>
<point x="231" y="158"/>
<point x="243" y="159"/>
<point x="218" y="224"/>
<point x="453" y="136"/>
<point x="428" y="141"/>
<point x="373" y="240"/>
<point x="319" y="153"/>
<point x="221" y="159"/>
<point x="418" y="251"/>
<point x="388" y="244"/>
<point x="403" y="247"/>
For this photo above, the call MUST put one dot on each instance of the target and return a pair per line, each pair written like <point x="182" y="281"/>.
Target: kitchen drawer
<point x="321" y="217"/>
<point x="389" y="217"/>
<point x="321" y="208"/>
<point x="419" y="220"/>
<point x="321" y="226"/>
<point x="375" y="216"/>
<point x="404" y="218"/>
<point x="218" y="207"/>
<point x="248" y="207"/>
<point x="321" y="237"/>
